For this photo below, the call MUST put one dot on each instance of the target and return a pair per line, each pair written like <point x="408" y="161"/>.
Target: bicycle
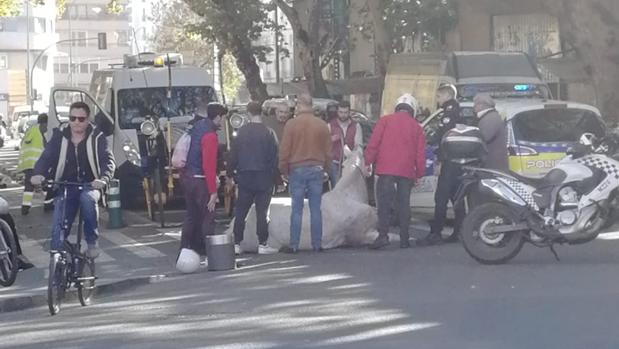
<point x="8" y="254"/>
<point x="69" y="266"/>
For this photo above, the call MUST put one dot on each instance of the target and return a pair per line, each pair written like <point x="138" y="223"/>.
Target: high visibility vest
<point x="32" y="146"/>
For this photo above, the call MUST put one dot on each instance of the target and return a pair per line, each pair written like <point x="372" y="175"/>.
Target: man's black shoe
<point x="430" y="240"/>
<point x="452" y="238"/>
<point x="317" y="249"/>
<point x="405" y="244"/>
<point x="48" y="207"/>
<point x="288" y="249"/>
<point x="25" y="210"/>
<point x="380" y="242"/>
<point x="23" y="263"/>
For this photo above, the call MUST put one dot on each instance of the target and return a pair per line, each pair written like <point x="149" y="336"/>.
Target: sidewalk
<point x="139" y="251"/>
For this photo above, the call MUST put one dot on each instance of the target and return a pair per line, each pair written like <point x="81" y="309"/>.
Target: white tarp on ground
<point x="347" y="218"/>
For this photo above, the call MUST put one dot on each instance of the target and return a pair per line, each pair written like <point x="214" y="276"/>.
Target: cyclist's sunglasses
<point x="78" y="118"/>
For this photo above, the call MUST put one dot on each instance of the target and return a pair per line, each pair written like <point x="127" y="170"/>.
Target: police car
<point x="539" y="134"/>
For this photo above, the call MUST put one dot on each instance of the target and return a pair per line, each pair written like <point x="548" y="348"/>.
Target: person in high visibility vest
<point x="32" y="145"/>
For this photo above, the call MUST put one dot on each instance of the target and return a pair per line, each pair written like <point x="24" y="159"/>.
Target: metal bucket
<point x="220" y="252"/>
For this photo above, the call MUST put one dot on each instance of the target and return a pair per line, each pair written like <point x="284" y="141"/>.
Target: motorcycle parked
<point x="569" y="205"/>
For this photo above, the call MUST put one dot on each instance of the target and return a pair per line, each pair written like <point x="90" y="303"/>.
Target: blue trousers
<point x="86" y="200"/>
<point x="306" y="179"/>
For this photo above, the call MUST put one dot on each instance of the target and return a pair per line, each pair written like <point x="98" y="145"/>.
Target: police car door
<point x="422" y="195"/>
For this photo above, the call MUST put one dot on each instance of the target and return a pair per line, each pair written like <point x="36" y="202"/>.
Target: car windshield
<point x="135" y="104"/>
<point x="555" y="125"/>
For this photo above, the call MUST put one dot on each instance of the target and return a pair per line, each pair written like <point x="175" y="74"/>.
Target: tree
<point x="234" y="26"/>
<point x="9" y="8"/>
<point x="590" y="28"/>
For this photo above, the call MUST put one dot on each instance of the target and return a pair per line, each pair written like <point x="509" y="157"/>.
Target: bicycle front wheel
<point x="8" y="255"/>
<point x="56" y="283"/>
<point x="86" y="282"/>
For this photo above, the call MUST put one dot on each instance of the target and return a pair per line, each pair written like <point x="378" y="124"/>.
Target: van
<point x="126" y="99"/>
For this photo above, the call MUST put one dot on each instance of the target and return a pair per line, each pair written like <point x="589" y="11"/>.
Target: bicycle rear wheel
<point x="86" y="282"/>
<point x="8" y="255"/>
<point x="56" y="283"/>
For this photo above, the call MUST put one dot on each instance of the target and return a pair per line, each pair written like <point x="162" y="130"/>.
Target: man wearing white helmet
<point x="397" y="149"/>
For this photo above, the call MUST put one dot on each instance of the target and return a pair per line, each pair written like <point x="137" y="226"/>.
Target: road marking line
<point x="133" y="246"/>
<point x="171" y="233"/>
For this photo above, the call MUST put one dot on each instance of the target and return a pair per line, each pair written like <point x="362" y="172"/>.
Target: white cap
<point x="407" y="99"/>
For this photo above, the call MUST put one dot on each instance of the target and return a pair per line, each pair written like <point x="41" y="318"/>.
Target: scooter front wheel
<point x="485" y="246"/>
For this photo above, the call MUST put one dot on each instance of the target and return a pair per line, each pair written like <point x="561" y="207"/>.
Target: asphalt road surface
<point x="435" y="297"/>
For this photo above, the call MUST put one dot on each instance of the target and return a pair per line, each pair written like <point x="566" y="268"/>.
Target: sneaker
<point x="317" y="249"/>
<point x="430" y="240"/>
<point x="452" y="238"/>
<point x="266" y="249"/>
<point x="203" y="261"/>
<point x="405" y="244"/>
<point x="380" y="242"/>
<point x="93" y="251"/>
<point x="24" y="263"/>
<point x="289" y="250"/>
<point x="25" y="210"/>
<point x="237" y="249"/>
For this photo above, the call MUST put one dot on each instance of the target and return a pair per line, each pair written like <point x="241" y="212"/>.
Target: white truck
<point x="147" y="89"/>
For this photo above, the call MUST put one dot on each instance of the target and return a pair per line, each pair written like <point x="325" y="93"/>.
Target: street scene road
<point x="434" y="297"/>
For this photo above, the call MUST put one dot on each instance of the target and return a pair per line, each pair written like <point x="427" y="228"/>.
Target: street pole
<point x="277" y="77"/>
<point x="70" y="46"/>
<point x="29" y="97"/>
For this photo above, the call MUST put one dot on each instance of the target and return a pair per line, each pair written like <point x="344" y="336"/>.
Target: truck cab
<point x="126" y="100"/>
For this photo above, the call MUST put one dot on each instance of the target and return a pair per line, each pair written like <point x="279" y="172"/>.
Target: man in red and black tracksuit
<point x="397" y="148"/>
<point x="199" y="178"/>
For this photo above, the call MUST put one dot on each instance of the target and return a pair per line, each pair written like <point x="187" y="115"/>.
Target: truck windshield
<point x="135" y="104"/>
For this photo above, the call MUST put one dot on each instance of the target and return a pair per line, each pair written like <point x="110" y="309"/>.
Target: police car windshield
<point x="135" y="104"/>
<point x="555" y="125"/>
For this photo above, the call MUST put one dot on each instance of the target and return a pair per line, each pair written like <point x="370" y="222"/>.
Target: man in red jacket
<point x="397" y="149"/>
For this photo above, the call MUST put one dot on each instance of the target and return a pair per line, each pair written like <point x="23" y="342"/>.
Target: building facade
<point x="23" y="38"/>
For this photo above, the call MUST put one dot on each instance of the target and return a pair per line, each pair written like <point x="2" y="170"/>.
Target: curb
<point x="38" y="300"/>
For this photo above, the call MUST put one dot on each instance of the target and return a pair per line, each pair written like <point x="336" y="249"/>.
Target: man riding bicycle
<point x="76" y="153"/>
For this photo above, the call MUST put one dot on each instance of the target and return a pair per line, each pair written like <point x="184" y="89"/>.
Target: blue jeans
<point x="335" y="174"/>
<point x="306" y="179"/>
<point x="86" y="200"/>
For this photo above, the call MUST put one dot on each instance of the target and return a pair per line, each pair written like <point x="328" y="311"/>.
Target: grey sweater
<point x="494" y="132"/>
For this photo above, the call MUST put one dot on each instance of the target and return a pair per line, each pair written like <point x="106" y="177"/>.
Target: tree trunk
<point x="308" y="45"/>
<point x="246" y="62"/>
<point x="592" y="28"/>
<point x="382" y="41"/>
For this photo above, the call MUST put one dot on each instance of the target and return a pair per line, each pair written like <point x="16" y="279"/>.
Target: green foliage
<point x="228" y="23"/>
<point x="173" y="20"/>
<point x="114" y="7"/>
<point x="10" y="8"/>
<point x="430" y="19"/>
<point x="233" y="78"/>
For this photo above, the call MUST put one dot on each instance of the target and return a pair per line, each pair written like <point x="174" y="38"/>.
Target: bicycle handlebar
<point x="51" y="183"/>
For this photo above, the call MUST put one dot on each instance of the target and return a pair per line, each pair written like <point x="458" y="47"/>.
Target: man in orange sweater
<point x="304" y="158"/>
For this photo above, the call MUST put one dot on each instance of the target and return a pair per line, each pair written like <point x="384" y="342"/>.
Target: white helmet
<point x="409" y="100"/>
<point x="188" y="261"/>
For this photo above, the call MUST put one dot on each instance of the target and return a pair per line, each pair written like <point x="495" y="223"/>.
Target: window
<point x="56" y="68"/>
<point x="122" y="38"/>
<point x="4" y="61"/>
<point x="555" y="125"/>
<point x="64" y="68"/>
<point x="82" y="12"/>
<point x="38" y="25"/>
<point x="94" y="67"/>
<point x="135" y="104"/>
<point x="84" y="68"/>
<point x="79" y="39"/>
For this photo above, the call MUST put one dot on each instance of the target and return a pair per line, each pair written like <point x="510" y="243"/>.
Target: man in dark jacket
<point x="77" y="153"/>
<point x="199" y="178"/>
<point x="450" y="172"/>
<point x="253" y="162"/>
<point x="397" y="148"/>
<point x="493" y="131"/>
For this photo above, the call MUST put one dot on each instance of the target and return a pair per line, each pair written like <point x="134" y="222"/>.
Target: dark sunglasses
<point x="78" y="118"/>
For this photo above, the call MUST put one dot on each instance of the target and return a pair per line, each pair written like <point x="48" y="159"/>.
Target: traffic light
<point x="102" y="41"/>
